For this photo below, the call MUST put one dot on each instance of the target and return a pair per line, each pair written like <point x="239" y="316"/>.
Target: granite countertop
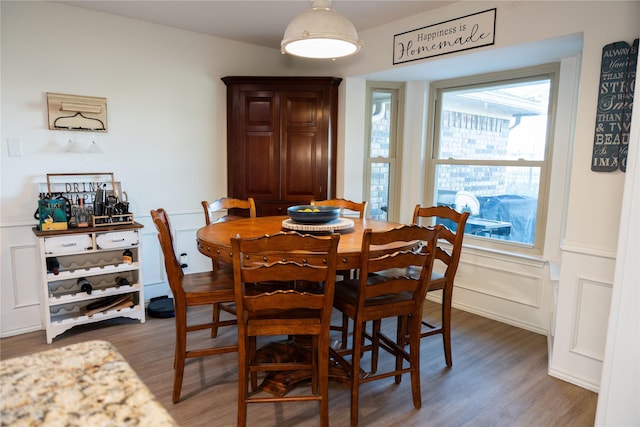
<point x="87" y="384"/>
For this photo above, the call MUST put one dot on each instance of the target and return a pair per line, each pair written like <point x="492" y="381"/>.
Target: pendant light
<point x="320" y="32"/>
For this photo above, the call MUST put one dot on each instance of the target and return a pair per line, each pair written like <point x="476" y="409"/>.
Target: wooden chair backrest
<point x="358" y="207"/>
<point x="171" y="263"/>
<point x="226" y="203"/>
<point x="449" y="258"/>
<point x="419" y="258"/>
<point x="285" y="257"/>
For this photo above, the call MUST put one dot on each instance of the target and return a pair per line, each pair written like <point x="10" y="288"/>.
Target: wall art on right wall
<point x="615" y="104"/>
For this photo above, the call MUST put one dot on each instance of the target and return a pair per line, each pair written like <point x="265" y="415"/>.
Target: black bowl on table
<point x="311" y="214"/>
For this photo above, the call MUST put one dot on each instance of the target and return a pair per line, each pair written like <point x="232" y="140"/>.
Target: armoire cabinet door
<point x="256" y="150"/>
<point x="281" y="140"/>
<point x="304" y="150"/>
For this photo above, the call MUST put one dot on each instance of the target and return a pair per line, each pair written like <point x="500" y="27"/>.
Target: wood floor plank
<point x="499" y="378"/>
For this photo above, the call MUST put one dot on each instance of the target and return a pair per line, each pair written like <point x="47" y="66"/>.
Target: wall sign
<point x="468" y="32"/>
<point x="615" y="104"/>
<point x="628" y="105"/>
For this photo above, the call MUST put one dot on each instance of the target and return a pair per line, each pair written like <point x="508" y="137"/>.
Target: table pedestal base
<point x="292" y="351"/>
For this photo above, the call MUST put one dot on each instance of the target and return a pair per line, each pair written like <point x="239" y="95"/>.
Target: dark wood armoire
<point x="281" y="140"/>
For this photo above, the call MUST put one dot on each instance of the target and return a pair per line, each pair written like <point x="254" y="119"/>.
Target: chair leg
<point x="251" y="358"/>
<point x="446" y="327"/>
<point x="243" y="369"/>
<point x="180" y="351"/>
<point x="355" y="372"/>
<point x="375" y="344"/>
<point x="315" y="355"/>
<point x="414" y="359"/>
<point x="322" y="368"/>
<point x="215" y="319"/>
<point x="402" y="331"/>
<point x="345" y="331"/>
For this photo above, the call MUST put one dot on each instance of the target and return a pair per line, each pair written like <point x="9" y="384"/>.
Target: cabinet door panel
<point x="260" y="110"/>
<point x="302" y="109"/>
<point x="304" y="146"/>
<point x="300" y="159"/>
<point x="262" y="167"/>
<point x="254" y="152"/>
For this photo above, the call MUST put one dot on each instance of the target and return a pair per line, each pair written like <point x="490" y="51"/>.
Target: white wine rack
<point x="95" y="254"/>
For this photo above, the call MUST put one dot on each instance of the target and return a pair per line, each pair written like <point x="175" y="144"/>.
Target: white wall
<point x="166" y="139"/>
<point x="167" y="144"/>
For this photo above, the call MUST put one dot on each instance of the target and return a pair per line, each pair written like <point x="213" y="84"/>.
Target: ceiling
<point x="263" y="22"/>
<point x="260" y="22"/>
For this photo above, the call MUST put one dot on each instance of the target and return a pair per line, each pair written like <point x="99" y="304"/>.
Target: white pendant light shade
<point x="320" y="32"/>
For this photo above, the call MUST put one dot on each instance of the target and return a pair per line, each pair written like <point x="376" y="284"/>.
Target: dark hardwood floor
<point x="499" y="378"/>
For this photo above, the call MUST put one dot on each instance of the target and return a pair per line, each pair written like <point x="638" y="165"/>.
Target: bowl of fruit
<point x="312" y="214"/>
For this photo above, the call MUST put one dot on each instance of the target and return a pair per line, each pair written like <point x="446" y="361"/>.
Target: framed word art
<point x="468" y="32"/>
<point x="615" y="105"/>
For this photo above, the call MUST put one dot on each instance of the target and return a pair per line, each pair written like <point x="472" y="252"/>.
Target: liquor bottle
<point x="53" y="266"/>
<point x="84" y="285"/>
<point x="127" y="256"/>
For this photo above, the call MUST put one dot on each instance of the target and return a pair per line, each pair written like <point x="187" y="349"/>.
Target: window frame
<point x="396" y="89"/>
<point x="550" y="71"/>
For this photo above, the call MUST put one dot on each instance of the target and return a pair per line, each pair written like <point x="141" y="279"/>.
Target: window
<point x="490" y="153"/>
<point x="382" y="148"/>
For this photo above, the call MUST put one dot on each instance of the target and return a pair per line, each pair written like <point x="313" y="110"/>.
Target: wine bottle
<point x="53" y="266"/>
<point x="127" y="256"/>
<point x="84" y="285"/>
<point x="122" y="281"/>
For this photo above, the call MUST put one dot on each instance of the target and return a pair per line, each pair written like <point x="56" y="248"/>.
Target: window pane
<point x="502" y="200"/>
<point x="380" y="124"/>
<point x="503" y="122"/>
<point x="379" y="197"/>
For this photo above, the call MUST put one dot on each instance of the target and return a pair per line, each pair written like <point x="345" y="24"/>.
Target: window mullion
<point x="523" y="163"/>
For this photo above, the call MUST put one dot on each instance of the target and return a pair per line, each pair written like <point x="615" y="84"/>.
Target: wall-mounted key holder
<point x="75" y="112"/>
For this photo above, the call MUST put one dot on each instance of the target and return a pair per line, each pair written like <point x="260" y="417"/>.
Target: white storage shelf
<point x="97" y="255"/>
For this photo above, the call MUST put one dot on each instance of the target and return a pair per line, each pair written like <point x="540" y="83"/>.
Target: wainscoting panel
<point x="512" y="290"/>
<point x="515" y="286"/>
<point x="25" y="268"/>
<point x="152" y="262"/>
<point x="593" y="300"/>
<point x="584" y="299"/>
<point x="21" y="286"/>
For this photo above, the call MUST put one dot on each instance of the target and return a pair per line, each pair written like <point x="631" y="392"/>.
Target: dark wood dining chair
<point x="449" y="257"/>
<point x="208" y="288"/>
<point x="233" y="209"/>
<point x="288" y="311"/>
<point x="373" y="297"/>
<point x="347" y="207"/>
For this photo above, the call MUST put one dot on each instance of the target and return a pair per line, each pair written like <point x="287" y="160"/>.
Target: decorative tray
<point x="338" y="224"/>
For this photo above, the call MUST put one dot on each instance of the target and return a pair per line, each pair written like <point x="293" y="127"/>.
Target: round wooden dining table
<point x="214" y="240"/>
